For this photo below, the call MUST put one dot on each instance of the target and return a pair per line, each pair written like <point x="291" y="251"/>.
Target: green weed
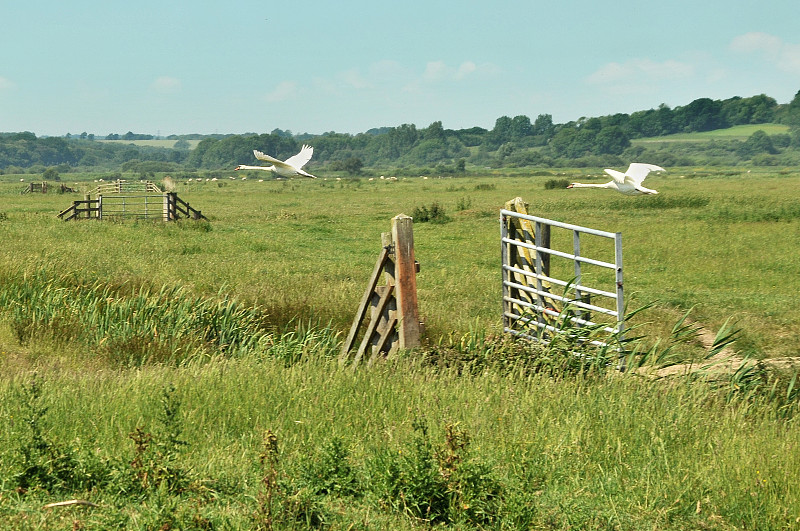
<point x="128" y="324"/>
<point x="439" y="485"/>
<point x="44" y="463"/>
<point x="281" y="503"/>
<point x="435" y="213"/>
<point x="329" y="471"/>
<point x="463" y="203"/>
<point x="556" y="184"/>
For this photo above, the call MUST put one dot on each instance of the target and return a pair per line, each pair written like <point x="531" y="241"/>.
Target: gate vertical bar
<point x="504" y="254"/>
<point x="576" y="250"/>
<point x="537" y="240"/>
<point x="620" y="293"/>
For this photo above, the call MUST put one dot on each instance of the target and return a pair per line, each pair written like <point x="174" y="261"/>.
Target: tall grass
<point x="128" y="324"/>
<point x="395" y="447"/>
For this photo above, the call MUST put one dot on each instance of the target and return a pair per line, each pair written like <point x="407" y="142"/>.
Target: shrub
<point x="329" y="471"/>
<point x="553" y="184"/>
<point x="43" y="463"/>
<point x="441" y="485"/>
<point x="464" y="203"/>
<point x="434" y="214"/>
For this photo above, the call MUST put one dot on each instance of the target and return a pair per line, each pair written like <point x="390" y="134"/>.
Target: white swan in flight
<point x="628" y="183"/>
<point x="291" y="167"/>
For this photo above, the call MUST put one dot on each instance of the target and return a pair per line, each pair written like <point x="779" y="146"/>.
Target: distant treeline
<point x="512" y="142"/>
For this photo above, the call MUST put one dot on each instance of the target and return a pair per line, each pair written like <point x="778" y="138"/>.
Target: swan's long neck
<point x="588" y="185"/>
<point x="262" y="168"/>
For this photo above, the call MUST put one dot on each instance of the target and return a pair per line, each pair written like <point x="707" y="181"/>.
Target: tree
<point x="755" y="110"/>
<point x="435" y="131"/>
<point x="353" y="165"/>
<point x="703" y="114"/>
<point x="573" y="142"/>
<point x="50" y="174"/>
<point x="611" y="140"/>
<point x="521" y="127"/>
<point x="758" y="143"/>
<point x="543" y="125"/>
<point x="400" y="140"/>
<point x="501" y="133"/>
<point x="793" y="113"/>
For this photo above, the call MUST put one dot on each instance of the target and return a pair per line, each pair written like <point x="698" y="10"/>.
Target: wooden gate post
<point x="406" y="275"/>
<point x="393" y="311"/>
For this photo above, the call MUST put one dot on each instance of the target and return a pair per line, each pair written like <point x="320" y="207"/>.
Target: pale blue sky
<point x="175" y="66"/>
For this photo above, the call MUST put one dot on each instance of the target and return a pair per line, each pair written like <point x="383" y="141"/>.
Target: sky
<point x="314" y="66"/>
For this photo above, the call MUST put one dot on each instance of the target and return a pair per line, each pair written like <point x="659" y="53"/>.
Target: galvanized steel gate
<point x="532" y="307"/>
<point x="144" y="206"/>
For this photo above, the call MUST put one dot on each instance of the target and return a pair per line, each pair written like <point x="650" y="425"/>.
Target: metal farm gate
<point x="536" y="303"/>
<point x="142" y="206"/>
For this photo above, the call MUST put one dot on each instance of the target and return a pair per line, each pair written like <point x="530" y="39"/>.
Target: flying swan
<point x="291" y="167"/>
<point x="628" y="183"/>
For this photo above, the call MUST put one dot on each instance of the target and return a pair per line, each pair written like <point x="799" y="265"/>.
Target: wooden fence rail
<point x="88" y="208"/>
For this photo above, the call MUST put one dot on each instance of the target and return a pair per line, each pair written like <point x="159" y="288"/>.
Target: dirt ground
<point x="726" y="361"/>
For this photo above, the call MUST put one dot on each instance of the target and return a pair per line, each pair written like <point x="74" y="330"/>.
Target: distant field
<point x="711" y="240"/>
<point x="162" y="143"/>
<point x="739" y="132"/>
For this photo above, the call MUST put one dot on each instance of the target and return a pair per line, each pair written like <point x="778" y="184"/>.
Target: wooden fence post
<point x="393" y="312"/>
<point x="406" y="275"/>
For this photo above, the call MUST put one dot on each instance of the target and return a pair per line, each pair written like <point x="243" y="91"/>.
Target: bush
<point x="434" y="214"/>
<point x="441" y="485"/>
<point x="43" y="462"/>
<point x="329" y="471"/>
<point x="553" y="184"/>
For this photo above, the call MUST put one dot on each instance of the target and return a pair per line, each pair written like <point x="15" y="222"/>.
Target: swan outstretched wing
<point x="637" y="171"/>
<point x="302" y="158"/>
<point x="264" y="156"/>
<point x="618" y="176"/>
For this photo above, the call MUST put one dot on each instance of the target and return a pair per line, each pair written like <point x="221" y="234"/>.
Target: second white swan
<point x="291" y="167"/>
<point x="628" y="183"/>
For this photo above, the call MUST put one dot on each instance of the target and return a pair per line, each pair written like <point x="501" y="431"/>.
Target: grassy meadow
<point x="738" y="132"/>
<point x="184" y="375"/>
<point x="156" y="143"/>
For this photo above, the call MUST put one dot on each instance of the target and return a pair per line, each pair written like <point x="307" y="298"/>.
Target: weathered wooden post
<point x="406" y="278"/>
<point x="393" y="311"/>
<point x="170" y="206"/>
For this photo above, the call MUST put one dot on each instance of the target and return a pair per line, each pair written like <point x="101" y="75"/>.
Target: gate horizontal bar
<point x="553" y="252"/>
<point x="553" y="223"/>
<point x="576" y="287"/>
<point x="573" y="302"/>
